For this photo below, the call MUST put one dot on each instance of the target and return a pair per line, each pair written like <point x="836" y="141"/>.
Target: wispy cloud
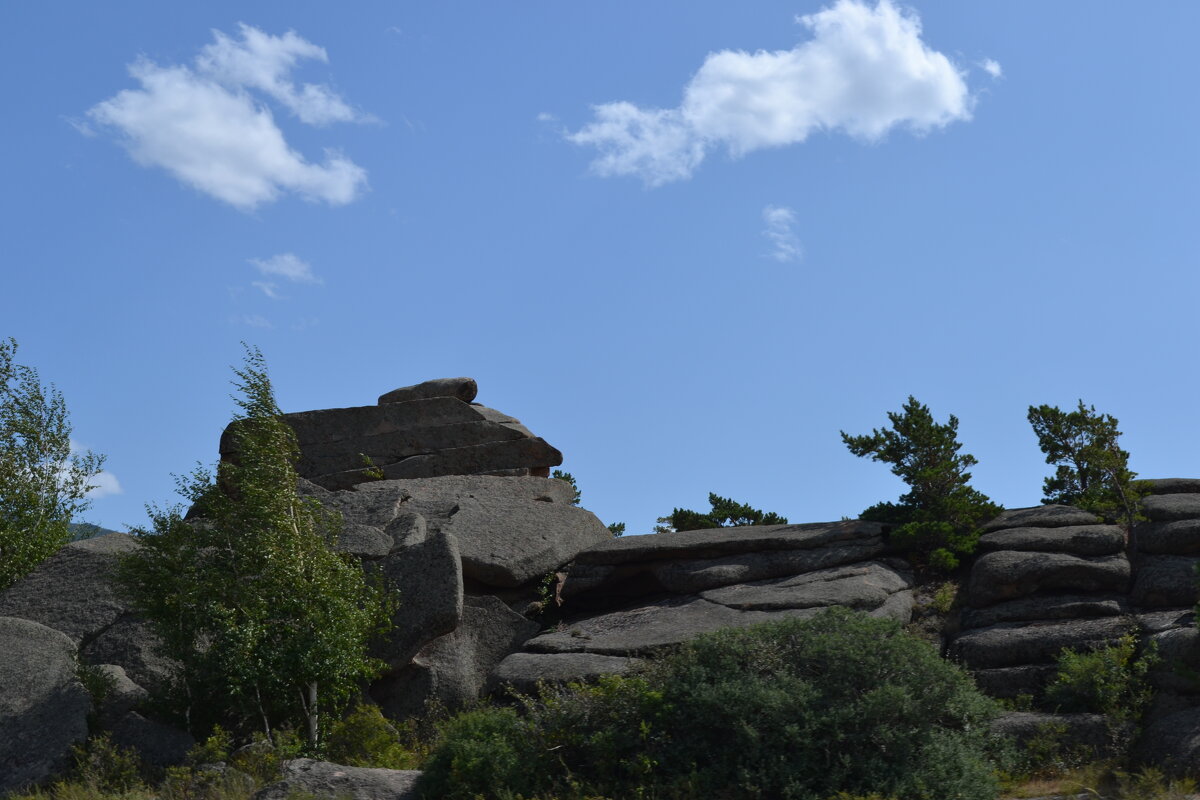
<point x="864" y="71"/>
<point x="781" y="233"/>
<point x="287" y="266"/>
<point x="256" y="321"/>
<point x="992" y="67"/>
<point x="103" y="483"/>
<point x="205" y="126"/>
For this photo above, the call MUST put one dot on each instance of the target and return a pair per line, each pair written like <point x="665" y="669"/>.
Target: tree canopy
<point x="939" y="517"/>
<point x="270" y="623"/>
<point x="725" y="513"/>
<point x="43" y="483"/>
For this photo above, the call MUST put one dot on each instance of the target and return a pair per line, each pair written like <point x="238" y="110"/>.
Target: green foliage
<point x="616" y="529"/>
<point x="103" y="766"/>
<point x="800" y="709"/>
<point x="363" y="738"/>
<point x="1111" y="681"/>
<point x="938" y="519"/>
<point x="1092" y="470"/>
<point x="725" y="513"/>
<point x="558" y="474"/>
<point x="269" y="623"/>
<point x="370" y="469"/>
<point x="42" y="483"/>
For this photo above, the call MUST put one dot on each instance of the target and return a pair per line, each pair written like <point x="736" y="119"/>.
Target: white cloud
<point x="264" y="62"/>
<point x="203" y="125"/>
<point x="286" y="265"/>
<point x="992" y="67"/>
<point x="267" y="287"/>
<point x="104" y="484"/>
<point x="256" y="321"/>
<point x="781" y="233"/>
<point x="863" y="72"/>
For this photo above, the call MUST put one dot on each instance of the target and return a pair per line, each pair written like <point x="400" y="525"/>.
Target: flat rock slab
<point x="1170" y="507"/>
<point x="1165" y="581"/>
<point x="464" y="389"/>
<point x="1009" y="574"/>
<point x="1172" y="485"/>
<point x="613" y="585"/>
<point x="523" y="672"/>
<point x="864" y="587"/>
<point x="1172" y="743"/>
<point x="1045" y="607"/>
<point x="1080" y="540"/>
<point x="648" y="628"/>
<point x="1080" y="732"/>
<point x="719" y="542"/>
<point x="326" y="781"/>
<point x="72" y="591"/>
<point x="418" y="437"/>
<point x="1008" y="683"/>
<point x="1047" y="516"/>
<point x="43" y="707"/>
<point x="1181" y="537"/>
<point x="1012" y="644"/>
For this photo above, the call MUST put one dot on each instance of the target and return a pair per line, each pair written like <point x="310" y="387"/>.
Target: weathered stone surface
<point x="651" y="627"/>
<point x="1173" y="485"/>
<point x="1011" y="682"/>
<point x="1152" y="622"/>
<point x="410" y="439"/>
<point x="1172" y="743"/>
<point x="1047" y="516"/>
<point x="606" y="586"/>
<point x="1179" y="660"/>
<point x="424" y="569"/>
<point x="1081" y="735"/>
<point x="1080" y="540"/>
<point x="121" y="695"/>
<point x="326" y="781"/>
<point x="506" y="542"/>
<point x="1169" y="507"/>
<point x="1181" y="537"/>
<point x="524" y="671"/>
<point x="1045" y="607"/>
<point x="156" y="744"/>
<point x="1011" y="644"/>
<point x="43" y="707"/>
<point x="1010" y="574"/>
<point x="72" y="591"/>
<point x="860" y="586"/>
<point x="130" y="644"/>
<point x="1165" y="581"/>
<point x="720" y="542"/>
<point x="454" y="669"/>
<point x="464" y="389"/>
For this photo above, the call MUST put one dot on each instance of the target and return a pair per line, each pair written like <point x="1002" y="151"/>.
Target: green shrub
<point x="1111" y="680"/>
<point x="363" y="738"/>
<point x="107" y="768"/>
<point x="799" y="710"/>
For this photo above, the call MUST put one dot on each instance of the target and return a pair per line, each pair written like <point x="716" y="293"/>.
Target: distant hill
<point x="87" y="530"/>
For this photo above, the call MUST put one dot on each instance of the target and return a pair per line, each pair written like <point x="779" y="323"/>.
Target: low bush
<point x="1111" y="680"/>
<point x="363" y="738"/>
<point x="796" y="710"/>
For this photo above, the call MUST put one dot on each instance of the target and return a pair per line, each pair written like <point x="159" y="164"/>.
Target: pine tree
<point x="940" y="516"/>
<point x="724" y="513"/>
<point x="270" y="624"/>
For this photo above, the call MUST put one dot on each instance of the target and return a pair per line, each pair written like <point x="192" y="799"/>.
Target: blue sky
<point x="687" y="243"/>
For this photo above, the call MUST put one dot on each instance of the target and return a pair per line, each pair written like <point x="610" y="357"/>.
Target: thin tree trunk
<point x="262" y="713"/>
<point x="309" y="704"/>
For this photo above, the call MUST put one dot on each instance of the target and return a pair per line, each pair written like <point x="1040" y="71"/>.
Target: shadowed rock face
<point x="428" y="430"/>
<point x="321" y="779"/>
<point x="43" y="707"/>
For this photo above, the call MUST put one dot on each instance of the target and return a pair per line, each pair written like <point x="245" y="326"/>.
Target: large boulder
<point x="43" y="706"/>
<point x="321" y="779"/>
<point x="1180" y="537"/>
<point x="155" y="743"/>
<point x="1087" y="736"/>
<point x="1172" y="485"/>
<point x="415" y="432"/>
<point x="72" y="591"/>
<point x="1165" y="581"/>
<point x="1172" y="743"/>
<point x="130" y="644"/>
<point x="688" y="562"/>
<point x="1010" y="683"/>
<point x="1047" y="516"/>
<point x="1080" y="540"/>
<point x="1009" y="574"/>
<point x="453" y="670"/>
<point x="1169" y="507"/>
<point x="1013" y="644"/>
<point x="865" y="587"/>
<point x="1045" y="607"/>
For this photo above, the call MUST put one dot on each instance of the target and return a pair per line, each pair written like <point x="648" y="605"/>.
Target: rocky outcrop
<point x="421" y="431"/>
<point x="321" y="779"/>
<point x="43" y="706"/>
